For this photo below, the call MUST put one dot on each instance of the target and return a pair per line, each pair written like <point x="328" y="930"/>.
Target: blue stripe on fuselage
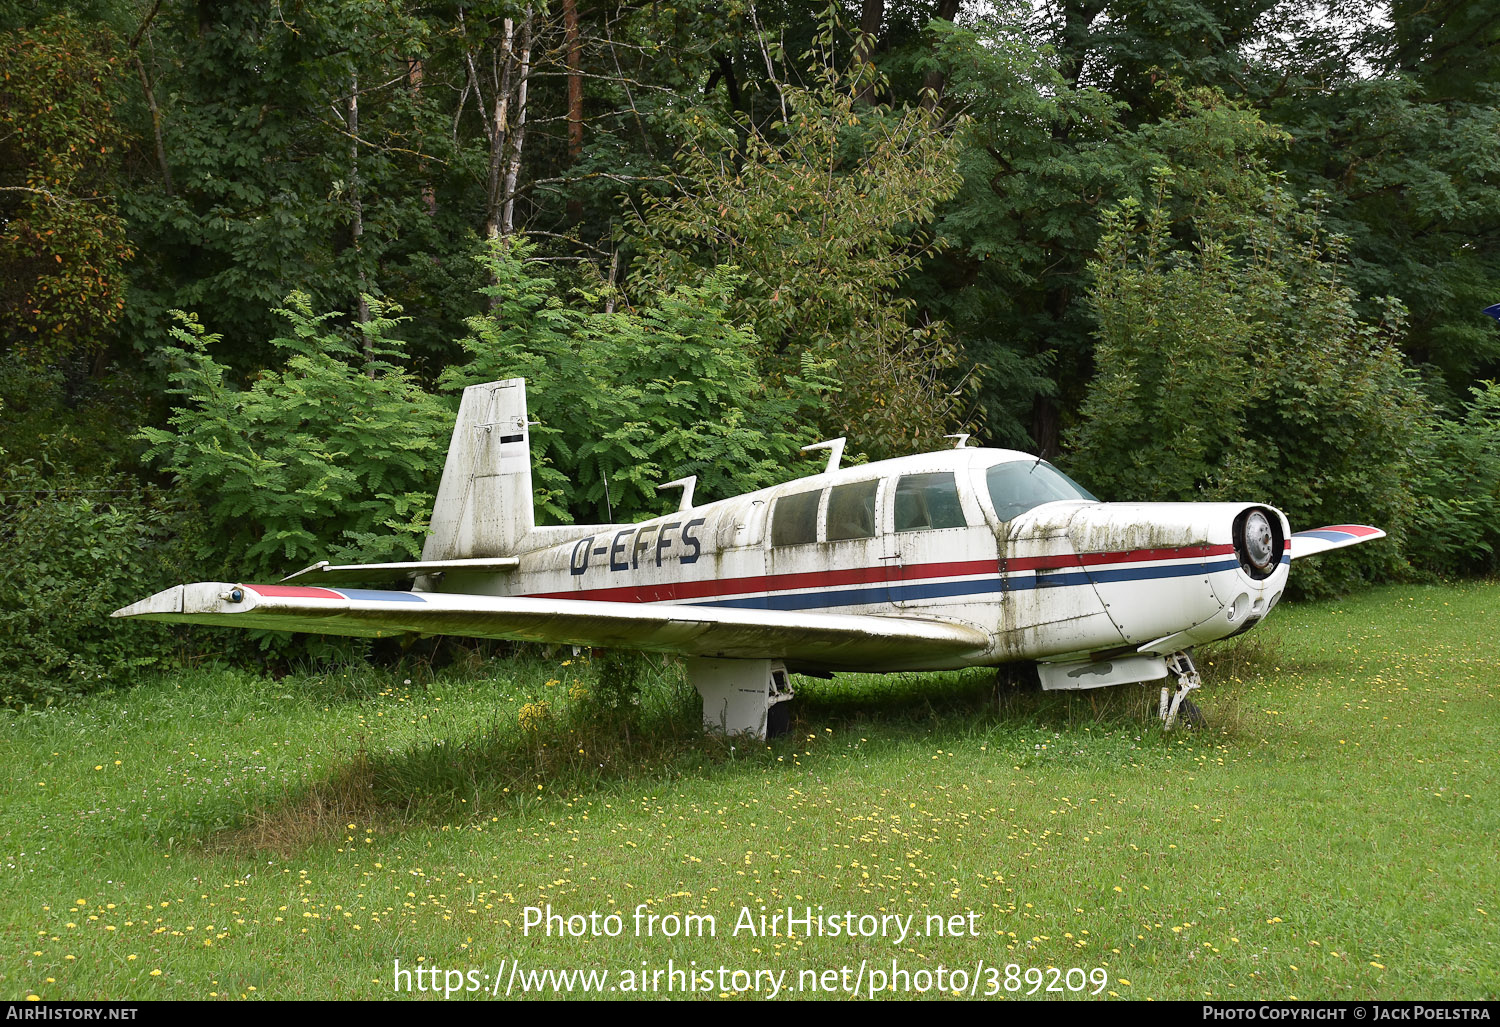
<point x="898" y="593"/>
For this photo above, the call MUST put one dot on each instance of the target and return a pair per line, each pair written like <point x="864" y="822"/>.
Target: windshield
<point x="1022" y="484"/>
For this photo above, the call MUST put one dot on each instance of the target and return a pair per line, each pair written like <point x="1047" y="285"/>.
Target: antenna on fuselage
<point x="835" y="454"/>
<point x="963" y="440"/>
<point x="687" y="485"/>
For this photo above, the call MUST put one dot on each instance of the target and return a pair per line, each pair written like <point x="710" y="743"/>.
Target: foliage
<point x="1236" y="367"/>
<point x="1037" y="160"/>
<point x="63" y="249"/>
<point x="822" y="211"/>
<point x="77" y="549"/>
<point x="906" y="205"/>
<point x="1397" y="124"/>
<point x="66" y="420"/>
<point x="628" y="400"/>
<point x="618" y="673"/>
<point x="335" y="455"/>
<point x="1456" y="526"/>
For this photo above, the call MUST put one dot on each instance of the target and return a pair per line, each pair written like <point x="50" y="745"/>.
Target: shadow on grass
<point x="515" y="763"/>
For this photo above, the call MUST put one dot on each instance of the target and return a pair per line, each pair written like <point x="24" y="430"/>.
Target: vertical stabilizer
<point x="484" y="504"/>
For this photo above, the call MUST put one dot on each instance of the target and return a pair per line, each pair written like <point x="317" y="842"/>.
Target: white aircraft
<point x="960" y="558"/>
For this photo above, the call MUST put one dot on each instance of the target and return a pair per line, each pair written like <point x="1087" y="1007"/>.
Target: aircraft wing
<point x="829" y="640"/>
<point x="1335" y="536"/>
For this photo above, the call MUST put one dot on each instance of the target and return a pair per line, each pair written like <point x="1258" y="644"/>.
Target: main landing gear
<point x="1177" y="707"/>
<point x="743" y="696"/>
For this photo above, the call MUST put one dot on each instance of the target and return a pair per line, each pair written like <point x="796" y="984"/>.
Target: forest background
<point x="251" y="252"/>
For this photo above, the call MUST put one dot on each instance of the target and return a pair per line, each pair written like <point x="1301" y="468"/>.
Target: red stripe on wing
<point x="295" y="592"/>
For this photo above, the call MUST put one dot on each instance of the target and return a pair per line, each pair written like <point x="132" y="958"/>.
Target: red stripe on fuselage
<point x="716" y="587"/>
<point x="769" y="583"/>
<point x="1045" y="563"/>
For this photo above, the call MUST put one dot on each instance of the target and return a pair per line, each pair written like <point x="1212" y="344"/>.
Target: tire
<point x="779" y="720"/>
<point x="1190" y="716"/>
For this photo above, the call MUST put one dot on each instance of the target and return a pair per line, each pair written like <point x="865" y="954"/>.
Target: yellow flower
<point x="534" y="714"/>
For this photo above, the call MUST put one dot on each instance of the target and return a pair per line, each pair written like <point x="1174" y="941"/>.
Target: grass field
<point x="1332" y="832"/>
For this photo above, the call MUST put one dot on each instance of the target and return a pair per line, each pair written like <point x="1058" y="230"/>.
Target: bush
<point x="76" y="551"/>
<point x="628" y="400"/>
<point x="1456" y="526"/>
<point x="336" y="455"/>
<point x="1238" y="368"/>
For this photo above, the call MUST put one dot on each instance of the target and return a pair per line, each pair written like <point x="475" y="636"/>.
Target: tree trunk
<point x="499" y="134"/>
<point x="507" y="223"/>
<point x="933" y="82"/>
<point x="140" y="67"/>
<point x="575" y="96"/>
<point x="356" y="209"/>
<point x="414" y="81"/>
<point x="1046" y="427"/>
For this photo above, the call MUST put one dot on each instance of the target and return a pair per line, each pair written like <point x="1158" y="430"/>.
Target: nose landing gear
<point x="1177" y="707"/>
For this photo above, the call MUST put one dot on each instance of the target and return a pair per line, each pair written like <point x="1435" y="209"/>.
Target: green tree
<point x="628" y="400"/>
<point x="63" y="248"/>
<point x="1456" y="528"/>
<point x="299" y="149"/>
<point x="1395" y="115"/>
<point x="1067" y="118"/>
<point x="823" y="213"/>
<point x="335" y="455"/>
<point x="1233" y="364"/>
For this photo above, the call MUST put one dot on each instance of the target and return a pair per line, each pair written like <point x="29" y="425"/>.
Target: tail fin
<point x="484" y="504"/>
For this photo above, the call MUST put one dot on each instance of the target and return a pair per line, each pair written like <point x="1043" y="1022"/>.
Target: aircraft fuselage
<point x="954" y="535"/>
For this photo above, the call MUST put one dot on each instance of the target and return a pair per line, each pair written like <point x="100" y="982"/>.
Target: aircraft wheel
<point x="779" y="720"/>
<point x="1190" y="716"/>
<point x="1016" y="677"/>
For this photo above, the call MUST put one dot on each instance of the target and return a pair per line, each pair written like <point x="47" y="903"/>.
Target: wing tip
<point x="1313" y="541"/>
<point x="164" y="603"/>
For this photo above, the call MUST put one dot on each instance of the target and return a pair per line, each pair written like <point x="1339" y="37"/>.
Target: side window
<point x="928" y="501"/>
<point x="794" y="519"/>
<point x="851" y="511"/>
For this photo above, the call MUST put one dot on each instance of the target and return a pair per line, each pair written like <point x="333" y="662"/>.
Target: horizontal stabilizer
<point x="832" y="641"/>
<point x="325" y="573"/>
<point x="1335" y="536"/>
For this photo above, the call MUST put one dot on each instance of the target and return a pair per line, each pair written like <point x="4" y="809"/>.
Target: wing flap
<point x="834" y="641"/>
<point x="1334" y="536"/>
<point x="325" y="573"/>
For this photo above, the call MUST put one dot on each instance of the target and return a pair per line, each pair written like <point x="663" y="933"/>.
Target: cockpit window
<point x="794" y="519"/>
<point x="851" y="511"/>
<point x="1022" y="484"/>
<point x="928" y="501"/>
